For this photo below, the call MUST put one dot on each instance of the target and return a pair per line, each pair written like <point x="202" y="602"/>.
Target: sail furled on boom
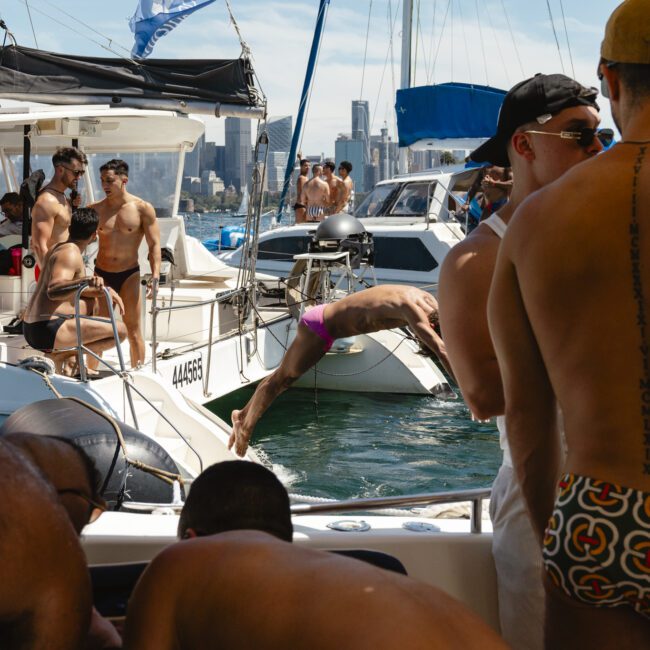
<point x="35" y="75"/>
<point x="156" y="18"/>
<point x="449" y="111"/>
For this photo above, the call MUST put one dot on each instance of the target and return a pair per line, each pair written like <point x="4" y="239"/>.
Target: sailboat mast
<point x="405" y="78"/>
<point x="311" y="64"/>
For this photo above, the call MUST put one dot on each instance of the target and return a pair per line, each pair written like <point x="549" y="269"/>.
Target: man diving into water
<point x="124" y="219"/>
<point x="379" y="308"/>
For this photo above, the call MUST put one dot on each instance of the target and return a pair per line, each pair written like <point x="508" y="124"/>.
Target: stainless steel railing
<point x="475" y="497"/>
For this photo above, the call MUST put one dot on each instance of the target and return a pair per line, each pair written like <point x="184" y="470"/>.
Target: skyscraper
<point x="280" y="130"/>
<point x="238" y="151"/>
<point x="361" y="125"/>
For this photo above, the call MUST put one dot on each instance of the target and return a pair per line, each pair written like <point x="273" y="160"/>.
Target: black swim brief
<point x="116" y="280"/>
<point x="41" y="334"/>
<point x="297" y="206"/>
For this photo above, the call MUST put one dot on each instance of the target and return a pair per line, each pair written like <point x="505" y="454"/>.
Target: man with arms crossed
<point x="378" y="308"/>
<point x="547" y="104"/>
<point x="49" y="322"/>
<point x="571" y="325"/>
<point x="124" y="219"/>
<point x="52" y="211"/>
<point x="299" y="209"/>
<point x="315" y="195"/>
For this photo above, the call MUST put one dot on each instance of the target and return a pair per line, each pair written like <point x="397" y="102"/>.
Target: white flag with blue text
<point x="155" y="18"/>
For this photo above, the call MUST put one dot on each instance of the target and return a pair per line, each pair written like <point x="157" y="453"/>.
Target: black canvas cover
<point x="29" y="72"/>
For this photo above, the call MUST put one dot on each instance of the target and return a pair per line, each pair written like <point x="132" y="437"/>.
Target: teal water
<point x="344" y="445"/>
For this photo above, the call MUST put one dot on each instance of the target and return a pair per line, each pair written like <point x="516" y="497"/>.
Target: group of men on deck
<point x="61" y="231"/>
<point x="324" y="193"/>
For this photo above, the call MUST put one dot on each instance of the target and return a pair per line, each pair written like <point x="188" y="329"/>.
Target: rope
<point x="246" y="51"/>
<point x="417" y="41"/>
<point x="480" y="31"/>
<point x="365" y="53"/>
<point x="557" y="42"/>
<point x="568" y="45"/>
<point x="512" y="36"/>
<point x="163" y="475"/>
<point x="433" y="33"/>
<point x="29" y="13"/>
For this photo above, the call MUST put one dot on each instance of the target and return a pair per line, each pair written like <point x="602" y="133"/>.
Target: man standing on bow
<point x="316" y="195"/>
<point x="300" y="210"/>
<point x="124" y="220"/>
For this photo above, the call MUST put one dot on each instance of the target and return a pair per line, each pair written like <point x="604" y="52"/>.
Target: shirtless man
<point x="345" y="199"/>
<point x="75" y="479"/>
<point x="569" y="318"/>
<point x="315" y="195"/>
<point x="248" y="589"/>
<point x="549" y="104"/>
<point x="11" y="206"/>
<point x="124" y="220"/>
<point x="49" y="322"/>
<point x="378" y="308"/>
<point x="45" y="597"/>
<point x="299" y="208"/>
<point x="52" y="211"/>
<point x="336" y="187"/>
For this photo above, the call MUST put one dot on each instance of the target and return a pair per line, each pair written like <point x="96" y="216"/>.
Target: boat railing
<point x="156" y="310"/>
<point x="474" y="496"/>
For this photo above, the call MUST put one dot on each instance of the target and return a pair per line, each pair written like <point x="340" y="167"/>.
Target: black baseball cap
<point x="535" y="99"/>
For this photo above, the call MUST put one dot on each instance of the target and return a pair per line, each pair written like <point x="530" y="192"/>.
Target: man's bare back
<point x="315" y="196"/>
<point x="584" y="303"/>
<point x="271" y="594"/>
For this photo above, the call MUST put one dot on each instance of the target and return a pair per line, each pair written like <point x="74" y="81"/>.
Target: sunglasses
<point x="584" y="137"/>
<point x="78" y="173"/>
<point x="97" y="508"/>
<point x="604" y="88"/>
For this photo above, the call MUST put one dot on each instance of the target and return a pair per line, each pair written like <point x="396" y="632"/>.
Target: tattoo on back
<point x="639" y="297"/>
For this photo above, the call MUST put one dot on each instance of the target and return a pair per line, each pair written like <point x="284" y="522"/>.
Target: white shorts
<point x="518" y="560"/>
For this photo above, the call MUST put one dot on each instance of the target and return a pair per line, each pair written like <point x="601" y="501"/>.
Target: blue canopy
<point x="451" y="110"/>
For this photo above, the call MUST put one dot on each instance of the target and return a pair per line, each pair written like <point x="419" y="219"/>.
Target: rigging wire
<point x="512" y="36"/>
<point x="29" y="13"/>
<point x="568" y="45"/>
<point x="307" y="99"/>
<point x="433" y="40"/>
<point x="81" y="22"/>
<point x="496" y="40"/>
<point x="391" y="29"/>
<point x="557" y="42"/>
<point x="365" y="52"/>
<point x="442" y="31"/>
<point x="78" y="33"/>
<point x="480" y="31"/>
<point x="417" y="42"/>
<point x="462" y="26"/>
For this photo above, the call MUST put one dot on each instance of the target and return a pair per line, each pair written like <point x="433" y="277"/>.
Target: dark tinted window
<point x="283" y="248"/>
<point x="377" y="202"/>
<point x="403" y="253"/>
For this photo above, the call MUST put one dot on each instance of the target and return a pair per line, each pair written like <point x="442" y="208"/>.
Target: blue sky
<point x="516" y="36"/>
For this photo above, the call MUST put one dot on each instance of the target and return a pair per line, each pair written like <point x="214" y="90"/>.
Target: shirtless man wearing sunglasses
<point x="52" y="211"/>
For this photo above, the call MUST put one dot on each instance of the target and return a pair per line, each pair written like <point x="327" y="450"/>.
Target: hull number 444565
<point x="188" y="372"/>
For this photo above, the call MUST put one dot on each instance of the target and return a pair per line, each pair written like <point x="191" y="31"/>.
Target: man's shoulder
<point x="47" y="198"/>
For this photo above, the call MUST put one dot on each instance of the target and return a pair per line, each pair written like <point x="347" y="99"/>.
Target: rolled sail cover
<point x="95" y="435"/>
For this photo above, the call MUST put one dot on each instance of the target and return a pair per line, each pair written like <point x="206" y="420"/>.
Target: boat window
<point x="413" y="199"/>
<point x="460" y="186"/>
<point x="403" y="253"/>
<point x="377" y="202"/>
<point x="283" y="248"/>
<point x="152" y="177"/>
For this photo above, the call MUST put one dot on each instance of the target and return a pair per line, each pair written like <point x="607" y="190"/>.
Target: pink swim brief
<point x="314" y="320"/>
